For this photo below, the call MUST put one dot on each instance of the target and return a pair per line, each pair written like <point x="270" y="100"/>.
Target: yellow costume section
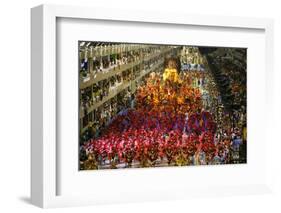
<point x="171" y="75"/>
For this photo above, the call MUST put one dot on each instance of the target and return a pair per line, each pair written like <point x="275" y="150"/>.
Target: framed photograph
<point x="129" y="106"/>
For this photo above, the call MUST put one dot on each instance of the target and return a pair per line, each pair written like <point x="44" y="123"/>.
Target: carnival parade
<point x="157" y="105"/>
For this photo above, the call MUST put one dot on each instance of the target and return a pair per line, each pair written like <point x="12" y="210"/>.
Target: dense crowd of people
<point x="168" y="125"/>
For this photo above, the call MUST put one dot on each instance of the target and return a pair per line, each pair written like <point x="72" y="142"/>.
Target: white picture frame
<point x="44" y="155"/>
